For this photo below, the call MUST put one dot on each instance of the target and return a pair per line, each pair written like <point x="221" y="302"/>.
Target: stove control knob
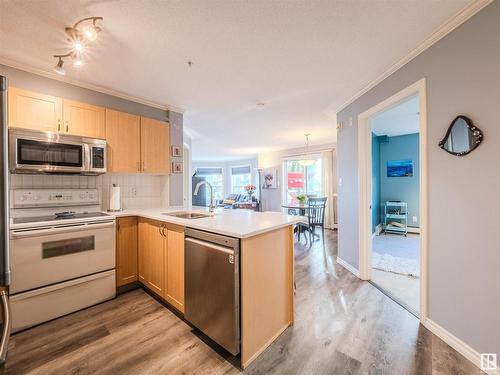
<point x="82" y="195"/>
<point x="91" y="196"/>
<point x="36" y="197"/>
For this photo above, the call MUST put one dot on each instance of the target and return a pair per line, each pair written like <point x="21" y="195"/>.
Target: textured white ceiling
<point x="303" y="59"/>
<point x="401" y="119"/>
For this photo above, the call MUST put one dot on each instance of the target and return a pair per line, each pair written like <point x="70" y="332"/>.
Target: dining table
<point x="303" y="210"/>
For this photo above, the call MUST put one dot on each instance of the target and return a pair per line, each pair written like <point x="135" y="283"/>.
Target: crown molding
<point x="89" y="86"/>
<point x="463" y="15"/>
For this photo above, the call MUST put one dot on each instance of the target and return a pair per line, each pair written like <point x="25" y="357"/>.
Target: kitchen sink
<point x="187" y="214"/>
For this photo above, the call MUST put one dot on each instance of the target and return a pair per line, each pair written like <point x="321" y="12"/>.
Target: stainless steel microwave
<point x="33" y="151"/>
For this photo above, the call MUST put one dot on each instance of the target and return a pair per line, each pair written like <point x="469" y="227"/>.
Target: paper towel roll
<point x="114" y="198"/>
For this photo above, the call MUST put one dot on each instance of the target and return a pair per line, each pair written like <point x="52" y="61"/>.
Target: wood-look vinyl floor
<point x="342" y="326"/>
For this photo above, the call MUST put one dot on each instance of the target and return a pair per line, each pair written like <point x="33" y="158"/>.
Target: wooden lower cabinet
<point x="161" y="260"/>
<point x="151" y="255"/>
<point x="174" y="265"/>
<point x="126" y="250"/>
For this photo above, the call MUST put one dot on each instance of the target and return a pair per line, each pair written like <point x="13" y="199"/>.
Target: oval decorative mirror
<point x="462" y="137"/>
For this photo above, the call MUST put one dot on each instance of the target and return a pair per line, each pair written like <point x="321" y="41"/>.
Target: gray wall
<point x="30" y="81"/>
<point x="49" y="86"/>
<point x="176" y="179"/>
<point x="463" y="77"/>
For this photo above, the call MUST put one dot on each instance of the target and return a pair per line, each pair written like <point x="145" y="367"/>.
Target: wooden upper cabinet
<point x="155" y="146"/>
<point x="123" y="134"/>
<point x="126" y="250"/>
<point x="151" y="255"/>
<point x="31" y="110"/>
<point x="84" y="119"/>
<point x="174" y="265"/>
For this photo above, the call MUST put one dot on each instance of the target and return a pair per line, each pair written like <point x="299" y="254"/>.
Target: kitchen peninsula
<point x="150" y="249"/>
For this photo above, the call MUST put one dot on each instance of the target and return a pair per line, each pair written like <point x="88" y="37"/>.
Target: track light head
<point x="59" y="68"/>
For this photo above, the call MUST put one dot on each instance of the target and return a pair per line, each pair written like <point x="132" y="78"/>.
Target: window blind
<point x="208" y="171"/>
<point x="241" y="170"/>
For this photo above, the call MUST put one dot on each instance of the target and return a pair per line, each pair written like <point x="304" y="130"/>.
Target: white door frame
<point x="365" y="188"/>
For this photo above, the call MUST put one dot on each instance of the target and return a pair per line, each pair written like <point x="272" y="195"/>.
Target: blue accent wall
<point x="404" y="189"/>
<point x="376" y="210"/>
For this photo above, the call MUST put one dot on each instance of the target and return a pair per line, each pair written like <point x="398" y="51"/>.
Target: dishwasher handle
<point x="211" y="245"/>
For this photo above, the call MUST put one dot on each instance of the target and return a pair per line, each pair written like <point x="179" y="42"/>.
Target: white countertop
<point x="234" y="223"/>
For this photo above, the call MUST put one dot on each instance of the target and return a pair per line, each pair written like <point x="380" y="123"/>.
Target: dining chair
<point x="315" y="216"/>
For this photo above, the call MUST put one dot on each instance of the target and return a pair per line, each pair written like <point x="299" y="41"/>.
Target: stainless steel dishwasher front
<point x="212" y="286"/>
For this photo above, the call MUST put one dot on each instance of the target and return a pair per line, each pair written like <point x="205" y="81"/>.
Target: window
<point x="240" y="177"/>
<point x="302" y="180"/>
<point x="215" y="177"/>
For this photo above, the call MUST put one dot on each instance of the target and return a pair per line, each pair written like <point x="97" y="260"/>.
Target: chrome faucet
<point x="211" y="207"/>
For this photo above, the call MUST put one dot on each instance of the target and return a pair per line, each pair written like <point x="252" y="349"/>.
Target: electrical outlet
<point x="133" y="192"/>
<point x="414" y="219"/>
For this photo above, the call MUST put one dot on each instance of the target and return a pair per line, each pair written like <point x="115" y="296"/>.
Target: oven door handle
<point x="6" y="326"/>
<point x="44" y="231"/>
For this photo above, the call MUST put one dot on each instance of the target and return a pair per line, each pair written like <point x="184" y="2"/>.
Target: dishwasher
<point x="212" y="286"/>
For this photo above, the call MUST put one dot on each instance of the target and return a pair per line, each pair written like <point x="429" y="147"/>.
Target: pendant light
<point x="307" y="161"/>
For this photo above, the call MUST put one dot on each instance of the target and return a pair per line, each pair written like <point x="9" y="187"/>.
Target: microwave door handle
<point x="87" y="157"/>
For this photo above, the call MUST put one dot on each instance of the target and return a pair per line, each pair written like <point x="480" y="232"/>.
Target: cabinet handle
<point x="159" y="229"/>
<point x="58" y="125"/>
<point x="117" y="226"/>
<point x="139" y="166"/>
<point x="67" y="126"/>
<point x="143" y="166"/>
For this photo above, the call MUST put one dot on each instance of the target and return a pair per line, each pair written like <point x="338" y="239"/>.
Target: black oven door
<point x="47" y="156"/>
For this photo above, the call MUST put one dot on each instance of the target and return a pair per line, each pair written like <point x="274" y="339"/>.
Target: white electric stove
<point x="62" y="254"/>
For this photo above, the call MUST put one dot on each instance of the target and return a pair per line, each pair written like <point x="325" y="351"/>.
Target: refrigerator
<point x="5" y="275"/>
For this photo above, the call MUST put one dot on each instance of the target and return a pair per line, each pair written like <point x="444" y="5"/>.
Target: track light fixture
<point x="83" y="32"/>
<point x="87" y="32"/>
<point x="59" y="69"/>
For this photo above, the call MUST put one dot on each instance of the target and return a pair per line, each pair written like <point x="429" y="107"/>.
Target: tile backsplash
<point x="137" y="191"/>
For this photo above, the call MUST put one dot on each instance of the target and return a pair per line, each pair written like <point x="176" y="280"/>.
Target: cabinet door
<point x="174" y="277"/>
<point x="123" y="137"/>
<point x="155" y="146"/>
<point x="126" y="250"/>
<point x="144" y="241"/>
<point x="84" y="119"/>
<point x="31" y="110"/>
<point x="151" y="256"/>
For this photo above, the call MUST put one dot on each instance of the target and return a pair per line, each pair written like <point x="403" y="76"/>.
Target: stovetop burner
<point x="83" y="215"/>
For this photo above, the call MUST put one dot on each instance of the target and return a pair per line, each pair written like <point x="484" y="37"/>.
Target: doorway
<point x="393" y="197"/>
<point x="396" y="202"/>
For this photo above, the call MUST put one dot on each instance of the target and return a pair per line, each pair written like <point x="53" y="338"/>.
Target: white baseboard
<point x="348" y="267"/>
<point x="409" y="229"/>
<point x="457" y="344"/>
<point x="378" y="230"/>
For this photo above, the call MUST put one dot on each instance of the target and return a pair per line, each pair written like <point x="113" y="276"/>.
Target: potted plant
<point x="250" y="189"/>
<point x="302" y="198"/>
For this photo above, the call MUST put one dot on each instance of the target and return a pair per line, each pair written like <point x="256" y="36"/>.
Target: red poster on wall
<point x="295" y="180"/>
